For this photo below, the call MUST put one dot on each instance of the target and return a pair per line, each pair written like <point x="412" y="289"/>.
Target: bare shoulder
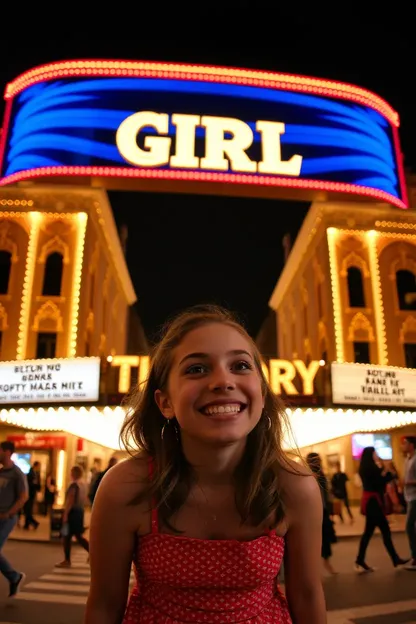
<point x="299" y="485"/>
<point x="125" y="480"/>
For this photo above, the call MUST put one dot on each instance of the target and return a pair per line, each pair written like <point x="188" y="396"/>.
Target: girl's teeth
<point x="223" y="409"/>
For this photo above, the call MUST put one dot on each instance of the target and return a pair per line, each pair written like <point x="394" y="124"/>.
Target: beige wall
<point x="305" y="317"/>
<point x="102" y="316"/>
<point x="14" y="237"/>
<point x="377" y="239"/>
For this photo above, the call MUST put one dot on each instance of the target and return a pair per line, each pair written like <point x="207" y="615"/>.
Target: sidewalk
<point x="42" y="533"/>
<point x="344" y="530"/>
<point x="347" y="530"/>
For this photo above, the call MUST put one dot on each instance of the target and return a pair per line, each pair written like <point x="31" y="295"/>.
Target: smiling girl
<point x="208" y="506"/>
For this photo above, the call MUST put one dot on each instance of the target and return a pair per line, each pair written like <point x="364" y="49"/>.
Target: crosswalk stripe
<point x="59" y="598"/>
<point x="64" y="577"/>
<point x="72" y="571"/>
<point x="70" y="579"/>
<point x="346" y="616"/>
<point x="82" y="589"/>
<point x="63" y="585"/>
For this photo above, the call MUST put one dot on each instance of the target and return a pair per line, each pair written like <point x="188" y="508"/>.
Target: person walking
<point x="49" y="494"/>
<point x="409" y="447"/>
<point x="339" y="491"/>
<point x="374" y="480"/>
<point x="73" y="518"/>
<point x="13" y="495"/>
<point x="208" y="504"/>
<point x="99" y="478"/>
<point x="33" y="481"/>
<point x="314" y="462"/>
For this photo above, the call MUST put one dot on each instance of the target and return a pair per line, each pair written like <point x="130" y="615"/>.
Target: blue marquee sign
<point x="142" y="120"/>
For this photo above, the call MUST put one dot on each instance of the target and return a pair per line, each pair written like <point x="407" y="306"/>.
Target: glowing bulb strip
<point x="204" y="176"/>
<point x="101" y="426"/>
<point x="400" y="164"/>
<point x="5" y="130"/>
<point x="16" y="202"/>
<point x="332" y="234"/>
<point x="288" y="82"/>
<point x="377" y="298"/>
<point x="35" y="219"/>
<point x="396" y="224"/>
<point x="313" y="426"/>
<point x="82" y="218"/>
<point x="309" y="426"/>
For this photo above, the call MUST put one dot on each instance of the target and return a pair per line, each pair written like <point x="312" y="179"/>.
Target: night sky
<point x="186" y="249"/>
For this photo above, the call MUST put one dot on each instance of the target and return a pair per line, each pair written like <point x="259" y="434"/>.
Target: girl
<point x="208" y="504"/>
<point x="374" y="481"/>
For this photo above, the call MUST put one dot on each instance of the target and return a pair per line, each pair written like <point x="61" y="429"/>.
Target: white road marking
<point x="345" y="616"/>
<point x="59" y="598"/>
<point x="82" y="589"/>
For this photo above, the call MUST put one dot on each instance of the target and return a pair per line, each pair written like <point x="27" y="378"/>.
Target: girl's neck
<point x="213" y="465"/>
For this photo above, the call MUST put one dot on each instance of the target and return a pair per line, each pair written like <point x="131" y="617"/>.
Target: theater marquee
<point x="50" y="381"/>
<point x="205" y="125"/>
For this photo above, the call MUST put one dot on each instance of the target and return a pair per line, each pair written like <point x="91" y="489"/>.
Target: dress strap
<point x="155" y="520"/>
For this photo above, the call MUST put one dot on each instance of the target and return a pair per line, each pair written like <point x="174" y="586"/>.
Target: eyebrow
<point x="205" y="356"/>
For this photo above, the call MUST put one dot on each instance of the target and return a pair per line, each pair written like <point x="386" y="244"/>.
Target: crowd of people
<point x="383" y="495"/>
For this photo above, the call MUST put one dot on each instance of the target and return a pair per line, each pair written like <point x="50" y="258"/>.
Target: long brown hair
<point x="258" y="492"/>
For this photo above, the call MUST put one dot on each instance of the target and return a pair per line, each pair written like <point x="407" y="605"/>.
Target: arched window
<point x="355" y="287"/>
<point x="406" y="289"/>
<point x="52" y="280"/>
<point x="5" y="268"/>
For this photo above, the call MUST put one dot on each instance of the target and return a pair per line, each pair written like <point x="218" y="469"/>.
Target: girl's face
<point x="214" y="388"/>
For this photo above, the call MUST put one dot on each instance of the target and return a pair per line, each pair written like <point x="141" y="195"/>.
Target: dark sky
<point x="185" y="249"/>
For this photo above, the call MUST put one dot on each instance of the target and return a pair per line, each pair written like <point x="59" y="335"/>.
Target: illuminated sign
<point x="156" y="150"/>
<point x="50" y="381"/>
<point x="138" y="120"/>
<point x="36" y="441"/>
<point x="281" y="374"/>
<point x="365" y="384"/>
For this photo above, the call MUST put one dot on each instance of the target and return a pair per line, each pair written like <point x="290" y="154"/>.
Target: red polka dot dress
<point x="181" y="579"/>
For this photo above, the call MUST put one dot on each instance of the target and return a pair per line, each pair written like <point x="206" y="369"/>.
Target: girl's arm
<point x="303" y="550"/>
<point x="115" y="524"/>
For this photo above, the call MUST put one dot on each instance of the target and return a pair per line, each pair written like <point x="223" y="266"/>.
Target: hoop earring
<point x="269" y="421"/>
<point x="165" y="424"/>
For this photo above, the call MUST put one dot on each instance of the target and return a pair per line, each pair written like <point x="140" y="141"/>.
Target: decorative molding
<point x="7" y="243"/>
<point x="90" y="322"/>
<point x="402" y="263"/>
<point x="3" y="318"/>
<point x="103" y="340"/>
<point x="408" y="327"/>
<point x="54" y="245"/>
<point x="322" y="333"/>
<point x="318" y="272"/>
<point x="354" y="260"/>
<point x="360" y="323"/>
<point x="49" y="315"/>
<point x="94" y="258"/>
<point x="107" y="280"/>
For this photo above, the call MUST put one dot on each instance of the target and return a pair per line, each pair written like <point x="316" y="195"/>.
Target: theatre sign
<point x="50" y="381"/>
<point x="200" y="127"/>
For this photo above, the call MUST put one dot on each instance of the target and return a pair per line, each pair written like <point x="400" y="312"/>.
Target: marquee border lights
<point x="313" y="426"/>
<point x="36" y="219"/>
<point x="84" y="68"/>
<point x="309" y="425"/>
<point x="207" y="73"/>
<point x="82" y="219"/>
<point x="101" y="426"/>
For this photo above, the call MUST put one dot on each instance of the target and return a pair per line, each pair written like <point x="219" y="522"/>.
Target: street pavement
<point x="58" y="596"/>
